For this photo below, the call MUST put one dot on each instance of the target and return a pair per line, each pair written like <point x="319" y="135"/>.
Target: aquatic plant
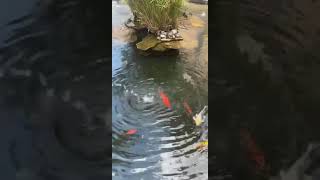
<point x="156" y="14"/>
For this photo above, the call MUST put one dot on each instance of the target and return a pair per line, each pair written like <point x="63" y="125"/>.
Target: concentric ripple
<point x="164" y="144"/>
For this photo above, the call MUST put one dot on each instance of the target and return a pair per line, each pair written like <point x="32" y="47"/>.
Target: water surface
<point x="164" y="146"/>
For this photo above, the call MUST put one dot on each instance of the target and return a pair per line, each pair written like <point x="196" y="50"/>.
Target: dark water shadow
<point x="55" y="88"/>
<point x="265" y="53"/>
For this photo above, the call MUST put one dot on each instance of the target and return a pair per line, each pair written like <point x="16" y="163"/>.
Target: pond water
<point x="164" y="145"/>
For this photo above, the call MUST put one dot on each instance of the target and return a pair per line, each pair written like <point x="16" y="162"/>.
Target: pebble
<point x="174" y="31"/>
<point x="169" y="36"/>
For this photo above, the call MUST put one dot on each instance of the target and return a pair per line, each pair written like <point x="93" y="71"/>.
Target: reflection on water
<point x="165" y="143"/>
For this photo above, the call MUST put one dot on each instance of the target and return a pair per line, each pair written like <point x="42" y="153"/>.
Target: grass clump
<point x="156" y="14"/>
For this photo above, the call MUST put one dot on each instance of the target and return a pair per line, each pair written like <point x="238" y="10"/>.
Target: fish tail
<point x="187" y="107"/>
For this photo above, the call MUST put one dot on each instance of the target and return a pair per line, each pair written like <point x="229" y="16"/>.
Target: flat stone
<point x="160" y="48"/>
<point x="167" y="45"/>
<point x="148" y="42"/>
<point x="172" y="45"/>
<point x="166" y="39"/>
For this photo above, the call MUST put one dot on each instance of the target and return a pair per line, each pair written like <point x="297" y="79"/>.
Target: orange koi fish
<point x="187" y="108"/>
<point x="255" y="153"/>
<point x="131" y="132"/>
<point x="165" y="99"/>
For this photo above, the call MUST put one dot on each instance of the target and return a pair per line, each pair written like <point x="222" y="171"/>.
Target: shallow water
<point x="164" y="146"/>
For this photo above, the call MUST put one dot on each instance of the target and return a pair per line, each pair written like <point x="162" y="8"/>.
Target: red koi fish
<point x="165" y="99"/>
<point x="187" y="107"/>
<point x="131" y="132"/>
<point x="255" y="153"/>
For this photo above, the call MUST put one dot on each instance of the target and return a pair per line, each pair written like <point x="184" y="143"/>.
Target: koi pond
<point x="154" y="99"/>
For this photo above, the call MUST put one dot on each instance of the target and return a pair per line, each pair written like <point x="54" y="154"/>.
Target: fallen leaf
<point x="201" y="145"/>
<point x="198" y="120"/>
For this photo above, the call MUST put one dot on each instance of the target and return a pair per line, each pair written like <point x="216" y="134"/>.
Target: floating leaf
<point x="202" y="145"/>
<point x="198" y="120"/>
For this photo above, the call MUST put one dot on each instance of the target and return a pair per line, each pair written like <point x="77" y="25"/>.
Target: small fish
<point x="255" y="153"/>
<point x="165" y="99"/>
<point x="187" y="107"/>
<point x="131" y="132"/>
